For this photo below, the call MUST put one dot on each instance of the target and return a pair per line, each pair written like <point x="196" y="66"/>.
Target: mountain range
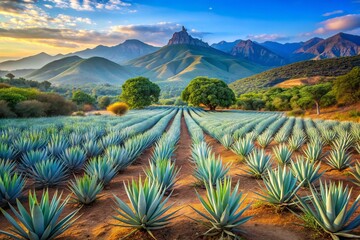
<point x="182" y="59"/>
<point x="278" y="54"/>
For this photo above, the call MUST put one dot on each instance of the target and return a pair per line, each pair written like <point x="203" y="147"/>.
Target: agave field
<point x="179" y="173"/>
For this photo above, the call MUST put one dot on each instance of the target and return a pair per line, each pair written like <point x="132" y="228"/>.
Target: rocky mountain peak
<point x="183" y="37"/>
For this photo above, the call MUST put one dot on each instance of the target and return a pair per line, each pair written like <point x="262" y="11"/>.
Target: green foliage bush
<point x="79" y="97"/>
<point x="104" y="102"/>
<point x="56" y="104"/>
<point x="297" y="98"/>
<point x="210" y="92"/>
<point x="5" y="111"/>
<point x="347" y="87"/>
<point x="31" y="108"/>
<point x="139" y="92"/>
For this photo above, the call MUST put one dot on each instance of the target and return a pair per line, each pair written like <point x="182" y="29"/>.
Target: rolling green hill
<point x="52" y="69"/>
<point x="77" y="71"/>
<point x="326" y="67"/>
<point x="183" y="62"/>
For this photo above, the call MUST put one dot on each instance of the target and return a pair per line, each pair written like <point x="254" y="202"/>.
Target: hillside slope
<point x="326" y="67"/>
<point x="183" y="62"/>
<point x="77" y="71"/>
<point x="52" y="69"/>
<point x="32" y="62"/>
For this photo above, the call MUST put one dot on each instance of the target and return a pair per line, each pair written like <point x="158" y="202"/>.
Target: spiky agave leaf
<point x="313" y="152"/>
<point x="328" y="135"/>
<point x="339" y="159"/>
<point x="280" y="187"/>
<point x="102" y="168"/>
<point x="210" y="169"/>
<point x="355" y="171"/>
<point x="85" y="189"/>
<point x="49" y="173"/>
<point x="7" y="152"/>
<point x="225" y="209"/>
<point x="92" y="148"/>
<point x="343" y="142"/>
<point x="118" y="156"/>
<point x="23" y="145"/>
<point x="357" y="147"/>
<point x="282" y="154"/>
<point x="164" y="173"/>
<point x="305" y="171"/>
<point x="11" y="187"/>
<point x="7" y="166"/>
<point x="162" y="151"/>
<point x="264" y="139"/>
<point x="42" y="221"/>
<point x="146" y="209"/>
<point x="226" y="140"/>
<point x="258" y="162"/>
<point x="29" y="159"/>
<point x="243" y="147"/>
<point x="57" y="146"/>
<point x="332" y="210"/>
<point x="295" y="142"/>
<point x="73" y="158"/>
<point x="200" y="151"/>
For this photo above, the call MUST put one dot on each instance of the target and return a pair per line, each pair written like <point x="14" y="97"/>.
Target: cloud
<point x="267" y="37"/>
<point x="14" y="7"/>
<point x="90" y="5"/>
<point x="32" y="16"/>
<point x="333" y="13"/>
<point x="156" y="34"/>
<point x="343" y="23"/>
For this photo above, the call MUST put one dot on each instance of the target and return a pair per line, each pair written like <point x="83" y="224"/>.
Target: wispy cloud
<point x="90" y="5"/>
<point x="343" y="23"/>
<point x="156" y="34"/>
<point x="336" y="12"/>
<point x="267" y="37"/>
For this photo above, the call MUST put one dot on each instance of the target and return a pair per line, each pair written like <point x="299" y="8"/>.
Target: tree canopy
<point x="79" y="97"/>
<point x="210" y="92"/>
<point x="347" y="87"/>
<point x="316" y="93"/>
<point x="139" y="92"/>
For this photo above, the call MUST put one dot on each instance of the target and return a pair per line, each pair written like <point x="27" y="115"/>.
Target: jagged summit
<point x="183" y="37"/>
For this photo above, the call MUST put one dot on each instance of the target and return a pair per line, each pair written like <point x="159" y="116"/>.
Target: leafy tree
<point x="315" y="93"/>
<point x="347" y="87"/>
<point x="79" y="97"/>
<point x="139" y="92"/>
<point x="10" y="76"/>
<point x="104" y="101"/>
<point x="210" y="92"/>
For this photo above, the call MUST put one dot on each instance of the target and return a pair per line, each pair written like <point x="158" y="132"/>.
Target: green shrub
<point x="31" y="108"/>
<point x="104" y="101"/>
<point x="57" y="105"/>
<point x="5" y="111"/>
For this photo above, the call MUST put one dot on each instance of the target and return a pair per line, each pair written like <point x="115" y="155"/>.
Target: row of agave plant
<point x="347" y="139"/>
<point x="225" y="207"/>
<point x="147" y="198"/>
<point x="99" y="171"/>
<point x="330" y="208"/>
<point x="51" y="166"/>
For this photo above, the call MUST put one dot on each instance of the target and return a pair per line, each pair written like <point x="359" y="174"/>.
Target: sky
<point x="28" y="27"/>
